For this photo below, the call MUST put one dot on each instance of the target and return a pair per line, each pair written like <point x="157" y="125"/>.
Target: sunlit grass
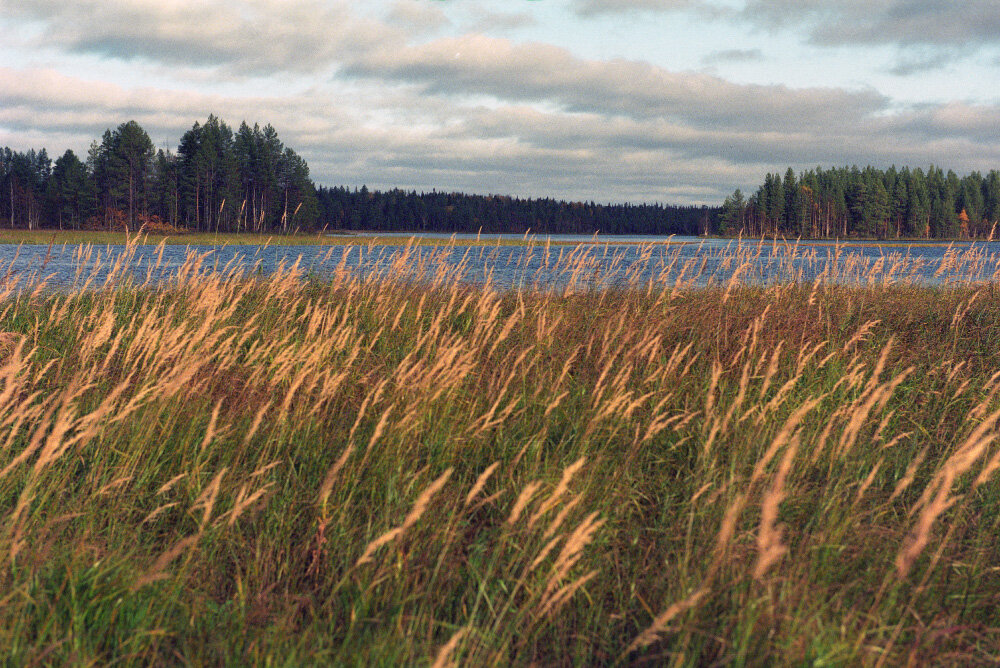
<point x="394" y="467"/>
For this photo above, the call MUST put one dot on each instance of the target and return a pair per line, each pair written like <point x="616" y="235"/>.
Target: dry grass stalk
<point x="114" y="484"/>
<point x="56" y="443"/>
<point x="561" y="516"/>
<point x="661" y="622"/>
<point x="244" y="502"/>
<point x="557" y="493"/>
<point x="523" y="499"/>
<point x="33" y="445"/>
<point x="444" y="655"/>
<point x="551" y="604"/>
<point x="989" y="469"/>
<point x="257" y="421"/>
<point x="379" y="429"/>
<point x="868" y="482"/>
<point x="153" y="515"/>
<point x="166" y="487"/>
<point x="860" y="335"/>
<point x="572" y="551"/>
<point x="770" y="548"/>
<point x="10" y="344"/>
<point x="937" y="495"/>
<point x="419" y="507"/>
<point x="208" y="496"/>
<point x="480" y="483"/>
<point x="783" y="436"/>
<point x="331" y="475"/>
<point x="920" y="534"/>
<point x="211" y="430"/>
<point x="544" y="552"/>
<point x="158" y="570"/>
<point x="862" y="409"/>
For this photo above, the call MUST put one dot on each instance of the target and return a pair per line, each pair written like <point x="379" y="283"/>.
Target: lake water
<point x="587" y="262"/>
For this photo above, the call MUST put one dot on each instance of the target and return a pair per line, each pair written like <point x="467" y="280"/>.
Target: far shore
<point x="354" y="237"/>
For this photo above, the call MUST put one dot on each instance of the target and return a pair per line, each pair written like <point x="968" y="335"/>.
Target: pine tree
<point x="70" y="192"/>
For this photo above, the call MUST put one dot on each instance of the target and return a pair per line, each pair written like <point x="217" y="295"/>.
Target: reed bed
<point x="398" y="467"/>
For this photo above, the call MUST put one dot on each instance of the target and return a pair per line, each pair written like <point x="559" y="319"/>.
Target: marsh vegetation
<point x="372" y="468"/>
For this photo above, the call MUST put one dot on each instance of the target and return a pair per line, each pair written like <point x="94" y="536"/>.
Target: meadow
<point x="372" y="469"/>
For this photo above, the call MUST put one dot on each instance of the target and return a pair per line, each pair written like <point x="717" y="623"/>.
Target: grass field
<point x="238" y="469"/>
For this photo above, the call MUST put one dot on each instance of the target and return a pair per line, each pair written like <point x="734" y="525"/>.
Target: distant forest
<point x="398" y="210"/>
<point x="220" y="179"/>
<point x="247" y="180"/>
<point x="853" y="202"/>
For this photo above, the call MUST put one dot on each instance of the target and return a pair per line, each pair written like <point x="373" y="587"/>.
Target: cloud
<point x="417" y="15"/>
<point x="567" y="120"/>
<point x="935" y="58"/>
<point x="469" y="112"/>
<point x="733" y="56"/>
<point x="968" y="24"/>
<point x="479" y="65"/>
<point x="398" y="138"/>
<point x="246" y="36"/>
<point x="40" y="102"/>
<point x="598" y="7"/>
<point x="492" y="21"/>
<point x="975" y="124"/>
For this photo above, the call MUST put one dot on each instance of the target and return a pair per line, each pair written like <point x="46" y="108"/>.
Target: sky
<point x="674" y="101"/>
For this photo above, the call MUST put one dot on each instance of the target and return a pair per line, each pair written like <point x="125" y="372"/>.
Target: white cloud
<point x="492" y="21"/>
<point x="417" y="15"/>
<point x="247" y="36"/>
<point x="477" y="64"/>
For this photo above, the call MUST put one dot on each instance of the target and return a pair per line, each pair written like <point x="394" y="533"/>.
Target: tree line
<point x="217" y="180"/>
<point x="248" y="180"/>
<point x="409" y="211"/>
<point x="853" y="202"/>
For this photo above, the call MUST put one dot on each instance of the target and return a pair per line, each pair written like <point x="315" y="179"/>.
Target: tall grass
<point x="371" y="468"/>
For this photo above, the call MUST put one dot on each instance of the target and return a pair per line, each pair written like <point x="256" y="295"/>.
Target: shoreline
<point x="350" y="237"/>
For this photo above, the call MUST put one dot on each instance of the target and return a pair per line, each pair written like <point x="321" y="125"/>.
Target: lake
<point x="556" y="262"/>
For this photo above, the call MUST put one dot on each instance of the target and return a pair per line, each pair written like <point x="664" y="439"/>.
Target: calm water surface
<point x="589" y="262"/>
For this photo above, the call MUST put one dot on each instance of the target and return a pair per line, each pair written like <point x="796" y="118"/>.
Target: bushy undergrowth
<point x="237" y="469"/>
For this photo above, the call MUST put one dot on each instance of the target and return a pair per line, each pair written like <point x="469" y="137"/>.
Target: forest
<point x="221" y="180"/>
<point x="398" y="210"/>
<point x="218" y="180"/>
<point x="247" y="180"/>
<point x="868" y="203"/>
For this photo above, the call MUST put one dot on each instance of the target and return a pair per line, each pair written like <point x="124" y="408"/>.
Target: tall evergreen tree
<point x="991" y="199"/>
<point x="25" y="179"/>
<point x="166" y="190"/>
<point x="299" y="205"/>
<point x="70" y="192"/>
<point x="133" y="152"/>
<point x="209" y="176"/>
<point x="732" y="214"/>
